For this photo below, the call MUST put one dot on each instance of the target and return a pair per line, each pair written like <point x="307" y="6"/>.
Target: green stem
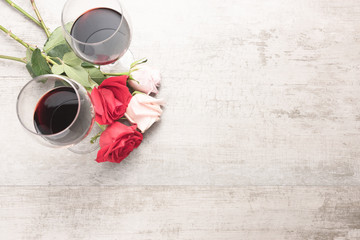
<point x="40" y="19"/>
<point x="23" y="12"/>
<point x="116" y="74"/>
<point x="94" y="138"/>
<point x="138" y="62"/>
<point x="8" y="32"/>
<point x="13" y="58"/>
<point x="48" y="59"/>
<point x="101" y="126"/>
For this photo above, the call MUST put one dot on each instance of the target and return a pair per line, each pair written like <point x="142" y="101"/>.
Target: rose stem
<point x="116" y="74"/>
<point x="23" y="12"/>
<point x="8" y="32"/>
<point x="94" y="138"/>
<point x="138" y="62"/>
<point x="13" y="58"/>
<point x="101" y="126"/>
<point x="39" y="17"/>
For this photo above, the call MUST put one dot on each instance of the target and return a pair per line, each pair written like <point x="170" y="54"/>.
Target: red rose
<point x="111" y="99"/>
<point x="117" y="141"/>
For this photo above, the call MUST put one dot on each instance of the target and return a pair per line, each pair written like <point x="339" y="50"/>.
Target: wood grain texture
<point x="259" y="139"/>
<point x="295" y="213"/>
<point x="258" y="93"/>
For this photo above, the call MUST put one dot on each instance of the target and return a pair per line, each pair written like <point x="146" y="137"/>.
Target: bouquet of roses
<point x="128" y="95"/>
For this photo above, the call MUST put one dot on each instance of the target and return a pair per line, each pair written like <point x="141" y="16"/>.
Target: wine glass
<point x="99" y="32"/>
<point x="57" y="111"/>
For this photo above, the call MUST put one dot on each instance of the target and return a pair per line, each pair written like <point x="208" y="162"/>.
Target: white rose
<point x="147" y="79"/>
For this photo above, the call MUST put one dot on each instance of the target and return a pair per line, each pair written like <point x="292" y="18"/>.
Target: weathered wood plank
<point x="161" y="212"/>
<point x="258" y="92"/>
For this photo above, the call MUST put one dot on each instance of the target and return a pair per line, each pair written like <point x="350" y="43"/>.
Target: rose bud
<point x="146" y="79"/>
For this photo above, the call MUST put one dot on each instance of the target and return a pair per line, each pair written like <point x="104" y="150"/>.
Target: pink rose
<point x="144" y="110"/>
<point x="147" y="79"/>
<point x="117" y="142"/>
<point x="111" y="99"/>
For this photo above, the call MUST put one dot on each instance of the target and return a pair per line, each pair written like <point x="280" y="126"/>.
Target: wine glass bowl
<point x="98" y="32"/>
<point x="56" y="110"/>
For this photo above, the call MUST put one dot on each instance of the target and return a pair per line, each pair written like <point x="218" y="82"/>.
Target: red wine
<point x="101" y="25"/>
<point x="56" y="110"/>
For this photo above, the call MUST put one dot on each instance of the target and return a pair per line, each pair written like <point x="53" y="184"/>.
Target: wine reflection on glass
<point x="98" y="32"/>
<point x="57" y="111"/>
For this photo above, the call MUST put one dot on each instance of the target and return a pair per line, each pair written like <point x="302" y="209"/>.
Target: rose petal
<point x="113" y="132"/>
<point x="144" y="110"/>
<point x="115" y="81"/>
<point x="111" y="99"/>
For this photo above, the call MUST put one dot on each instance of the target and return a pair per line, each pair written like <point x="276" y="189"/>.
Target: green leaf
<point x="30" y="70"/>
<point x="39" y="64"/>
<point x="29" y="53"/>
<point x="78" y="74"/>
<point x="57" y="69"/>
<point x="96" y="75"/>
<point x="137" y="92"/>
<point x="56" y="38"/>
<point x="59" y="50"/>
<point x="92" y="83"/>
<point x="87" y="65"/>
<point x="28" y="64"/>
<point x="71" y="59"/>
<point x="61" y="84"/>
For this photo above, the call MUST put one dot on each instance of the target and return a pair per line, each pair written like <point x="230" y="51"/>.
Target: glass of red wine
<point x="57" y="111"/>
<point x="99" y="32"/>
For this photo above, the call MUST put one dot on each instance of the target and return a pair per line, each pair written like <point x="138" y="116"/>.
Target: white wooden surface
<point x="259" y="140"/>
<point x="167" y="212"/>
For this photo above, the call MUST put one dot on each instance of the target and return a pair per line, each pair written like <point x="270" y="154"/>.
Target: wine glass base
<point x="121" y="65"/>
<point x="85" y="146"/>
